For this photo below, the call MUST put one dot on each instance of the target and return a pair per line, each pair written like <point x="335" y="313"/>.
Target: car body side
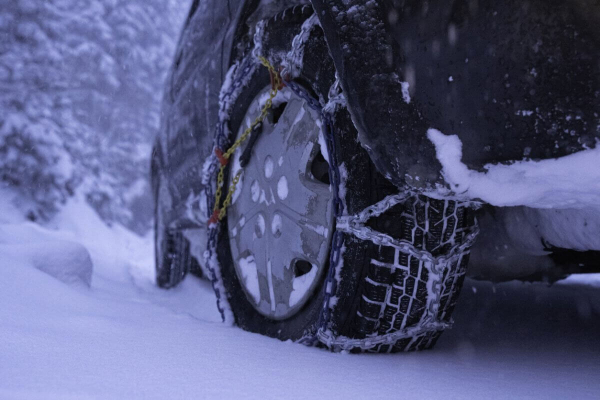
<point x="506" y="89"/>
<point x="511" y="79"/>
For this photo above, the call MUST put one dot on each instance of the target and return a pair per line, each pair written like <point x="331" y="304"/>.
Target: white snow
<point x="271" y="287"/>
<point x="525" y="113"/>
<point x="568" y="182"/>
<point x="123" y="338"/>
<point x="299" y="116"/>
<point x="263" y="198"/>
<point x="294" y="59"/>
<point x="301" y="284"/>
<point x="283" y="96"/>
<point x="276" y="225"/>
<point x="66" y="261"/>
<point x="250" y="275"/>
<point x="322" y="142"/>
<point x="282" y="188"/>
<point x="260" y="223"/>
<point x="318" y="229"/>
<point x="208" y="167"/>
<point x="255" y="191"/>
<point x="269" y="165"/>
<point x="405" y="92"/>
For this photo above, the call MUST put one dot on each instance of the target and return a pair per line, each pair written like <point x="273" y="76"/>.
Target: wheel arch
<point x="486" y="92"/>
<point x="249" y="12"/>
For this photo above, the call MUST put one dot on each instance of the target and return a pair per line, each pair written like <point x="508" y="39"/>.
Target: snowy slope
<point x="122" y="338"/>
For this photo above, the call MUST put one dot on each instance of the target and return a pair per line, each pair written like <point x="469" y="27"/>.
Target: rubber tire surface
<point x="364" y="290"/>
<point x="171" y="254"/>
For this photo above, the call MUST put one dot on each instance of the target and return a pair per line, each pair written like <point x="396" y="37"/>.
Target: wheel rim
<point x="281" y="218"/>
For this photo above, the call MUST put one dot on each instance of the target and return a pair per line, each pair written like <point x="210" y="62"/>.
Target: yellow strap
<point x="219" y="213"/>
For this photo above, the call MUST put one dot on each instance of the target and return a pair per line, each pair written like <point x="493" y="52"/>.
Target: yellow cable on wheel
<point x="219" y="212"/>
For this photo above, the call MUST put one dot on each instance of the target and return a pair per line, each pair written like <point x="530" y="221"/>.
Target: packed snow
<point x="255" y="191"/>
<point x="260" y="225"/>
<point x="405" y="92"/>
<point x="276" y="225"/>
<point x="121" y="337"/>
<point x="269" y="165"/>
<point x="301" y="284"/>
<point x="81" y="316"/>
<point x="572" y="181"/>
<point x="250" y="276"/>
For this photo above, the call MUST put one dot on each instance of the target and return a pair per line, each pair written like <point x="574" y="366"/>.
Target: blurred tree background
<point x="81" y="83"/>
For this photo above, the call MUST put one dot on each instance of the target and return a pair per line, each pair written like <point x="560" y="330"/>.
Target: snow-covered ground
<point x="122" y="338"/>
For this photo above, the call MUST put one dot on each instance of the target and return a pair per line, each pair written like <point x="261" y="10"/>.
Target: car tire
<point x="171" y="249"/>
<point x="379" y="290"/>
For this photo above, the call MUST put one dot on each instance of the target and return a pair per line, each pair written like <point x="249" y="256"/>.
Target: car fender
<point x="511" y="81"/>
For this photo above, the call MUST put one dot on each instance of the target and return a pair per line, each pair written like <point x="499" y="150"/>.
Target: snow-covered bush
<point x="80" y="89"/>
<point x="34" y="161"/>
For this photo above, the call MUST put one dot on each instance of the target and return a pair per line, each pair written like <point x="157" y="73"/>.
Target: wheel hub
<point x="280" y="220"/>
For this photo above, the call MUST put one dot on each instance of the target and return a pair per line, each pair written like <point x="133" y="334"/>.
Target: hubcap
<point x="280" y="220"/>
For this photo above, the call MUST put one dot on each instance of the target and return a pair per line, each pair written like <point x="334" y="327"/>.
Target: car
<point x="328" y="165"/>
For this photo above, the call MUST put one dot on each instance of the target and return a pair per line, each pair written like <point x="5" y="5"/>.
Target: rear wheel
<point x="274" y="245"/>
<point x="171" y="248"/>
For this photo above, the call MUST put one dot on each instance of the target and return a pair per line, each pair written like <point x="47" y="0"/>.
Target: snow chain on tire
<point x="394" y="286"/>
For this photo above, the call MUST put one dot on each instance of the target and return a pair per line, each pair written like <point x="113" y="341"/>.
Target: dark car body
<point x="500" y="75"/>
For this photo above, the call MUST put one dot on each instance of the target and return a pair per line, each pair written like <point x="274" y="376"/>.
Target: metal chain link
<point x="337" y="241"/>
<point x="238" y="75"/>
<point x="355" y="225"/>
<point x="338" y="343"/>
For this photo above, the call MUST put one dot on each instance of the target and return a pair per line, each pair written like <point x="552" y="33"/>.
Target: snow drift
<point x="568" y="182"/>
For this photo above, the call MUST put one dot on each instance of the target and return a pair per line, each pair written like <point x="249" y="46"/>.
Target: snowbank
<point x="125" y="339"/>
<point x="66" y="261"/>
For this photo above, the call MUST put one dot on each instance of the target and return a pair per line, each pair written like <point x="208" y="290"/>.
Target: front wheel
<point x="274" y="244"/>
